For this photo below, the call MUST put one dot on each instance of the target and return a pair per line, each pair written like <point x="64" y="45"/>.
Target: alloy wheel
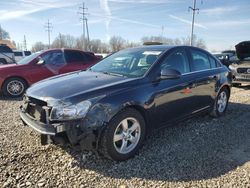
<point x="222" y="102"/>
<point x="127" y="135"/>
<point x="15" y="87"/>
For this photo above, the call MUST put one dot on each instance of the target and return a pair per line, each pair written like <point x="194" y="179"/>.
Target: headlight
<point x="71" y="112"/>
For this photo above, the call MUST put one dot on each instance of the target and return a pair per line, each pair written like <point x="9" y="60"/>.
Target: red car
<point x="16" y="78"/>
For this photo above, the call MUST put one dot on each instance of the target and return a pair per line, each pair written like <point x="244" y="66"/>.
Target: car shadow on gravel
<point x="198" y="149"/>
<point x="246" y="87"/>
<point x="3" y="98"/>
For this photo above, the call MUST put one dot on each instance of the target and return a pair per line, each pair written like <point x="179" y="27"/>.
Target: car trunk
<point x="243" y="50"/>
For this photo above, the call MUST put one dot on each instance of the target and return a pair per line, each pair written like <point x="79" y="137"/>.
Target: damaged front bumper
<point x="65" y="132"/>
<point x="42" y="128"/>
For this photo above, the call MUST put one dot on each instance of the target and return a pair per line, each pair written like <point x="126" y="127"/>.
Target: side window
<point x="213" y="62"/>
<point x="88" y="57"/>
<point x="177" y="60"/>
<point x="74" y="57"/>
<point x="54" y="58"/>
<point x="27" y="53"/>
<point x="200" y="60"/>
<point x="18" y="53"/>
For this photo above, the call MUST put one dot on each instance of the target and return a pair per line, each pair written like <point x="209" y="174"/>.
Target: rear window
<point x="5" y="49"/>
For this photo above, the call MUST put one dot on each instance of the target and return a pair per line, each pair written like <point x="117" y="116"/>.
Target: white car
<point x="19" y="55"/>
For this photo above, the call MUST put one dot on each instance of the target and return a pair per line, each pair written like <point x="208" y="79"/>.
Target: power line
<point x="194" y="10"/>
<point x="48" y="28"/>
<point x="83" y="18"/>
<point x="24" y="43"/>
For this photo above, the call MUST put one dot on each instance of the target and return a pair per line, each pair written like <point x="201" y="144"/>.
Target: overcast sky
<point x="221" y="23"/>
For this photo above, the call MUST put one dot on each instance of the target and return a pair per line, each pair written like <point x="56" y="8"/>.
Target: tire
<point x="221" y="103"/>
<point x="3" y="62"/>
<point x="128" y="140"/>
<point x="14" y="87"/>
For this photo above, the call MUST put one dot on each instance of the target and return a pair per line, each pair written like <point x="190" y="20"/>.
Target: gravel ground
<point x="202" y="152"/>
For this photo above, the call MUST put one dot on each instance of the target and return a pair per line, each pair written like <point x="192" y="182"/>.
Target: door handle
<point x="191" y="85"/>
<point x="213" y="77"/>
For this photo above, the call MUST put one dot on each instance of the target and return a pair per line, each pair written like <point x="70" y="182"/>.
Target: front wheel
<point x="123" y="135"/>
<point x="221" y="103"/>
<point x="14" y="87"/>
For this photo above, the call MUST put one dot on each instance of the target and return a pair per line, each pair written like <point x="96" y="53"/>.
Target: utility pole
<point x="1" y="33"/>
<point x="60" y="38"/>
<point x="48" y="28"/>
<point x="83" y="19"/>
<point x="24" y="43"/>
<point x="162" y="33"/>
<point x="194" y="10"/>
<point x="87" y="27"/>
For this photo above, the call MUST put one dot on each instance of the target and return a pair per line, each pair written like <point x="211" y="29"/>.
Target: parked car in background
<point x="241" y="68"/>
<point x="110" y="107"/>
<point x="19" y="55"/>
<point x="16" y="78"/>
<point x="6" y="55"/>
<point x="226" y="57"/>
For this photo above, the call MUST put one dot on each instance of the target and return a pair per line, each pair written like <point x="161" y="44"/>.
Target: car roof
<point x="165" y="47"/>
<point x="155" y="47"/>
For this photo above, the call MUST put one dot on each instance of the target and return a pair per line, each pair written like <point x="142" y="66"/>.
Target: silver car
<point x="6" y="55"/>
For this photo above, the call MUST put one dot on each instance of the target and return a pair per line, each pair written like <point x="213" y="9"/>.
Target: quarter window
<point x="200" y="60"/>
<point x="178" y="61"/>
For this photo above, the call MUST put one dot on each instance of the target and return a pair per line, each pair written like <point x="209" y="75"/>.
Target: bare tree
<point x="198" y="42"/>
<point x="4" y="34"/>
<point x="95" y="45"/>
<point x="132" y="44"/>
<point x="64" y="41"/>
<point x="116" y="43"/>
<point x="38" y="46"/>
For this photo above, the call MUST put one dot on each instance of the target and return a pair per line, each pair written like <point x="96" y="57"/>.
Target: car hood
<point x="75" y="86"/>
<point x="243" y="49"/>
<point x="3" y="67"/>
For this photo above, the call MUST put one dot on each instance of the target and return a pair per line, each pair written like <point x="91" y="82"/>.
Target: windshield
<point x="129" y="63"/>
<point x="28" y="59"/>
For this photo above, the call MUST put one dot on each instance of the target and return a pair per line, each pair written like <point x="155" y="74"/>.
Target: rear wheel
<point x="14" y="87"/>
<point x="123" y="135"/>
<point x="221" y="103"/>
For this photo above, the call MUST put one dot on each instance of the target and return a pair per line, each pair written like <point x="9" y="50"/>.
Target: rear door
<point x="204" y="69"/>
<point x="76" y="60"/>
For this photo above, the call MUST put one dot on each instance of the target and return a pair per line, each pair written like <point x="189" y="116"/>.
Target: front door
<point x="174" y="99"/>
<point x="53" y="62"/>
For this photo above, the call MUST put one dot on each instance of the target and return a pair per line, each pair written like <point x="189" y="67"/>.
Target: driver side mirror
<point x="167" y="73"/>
<point x="40" y="61"/>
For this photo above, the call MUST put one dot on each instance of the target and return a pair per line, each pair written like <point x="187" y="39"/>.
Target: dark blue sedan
<point x="112" y="106"/>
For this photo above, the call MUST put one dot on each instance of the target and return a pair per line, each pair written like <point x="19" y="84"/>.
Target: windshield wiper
<point x="113" y="74"/>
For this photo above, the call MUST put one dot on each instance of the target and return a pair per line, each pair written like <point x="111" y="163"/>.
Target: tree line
<point x="115" y="43"/>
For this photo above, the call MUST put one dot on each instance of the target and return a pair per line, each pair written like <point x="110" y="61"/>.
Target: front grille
<point x="37" y="109"/>
<point x="242" y="70"/>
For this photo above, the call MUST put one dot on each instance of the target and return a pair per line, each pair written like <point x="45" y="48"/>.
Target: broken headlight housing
<point x="70" y="112"/>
